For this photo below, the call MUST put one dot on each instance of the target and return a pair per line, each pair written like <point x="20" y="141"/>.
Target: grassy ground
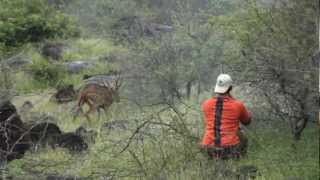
<point x="161" y="152"/>
<point x="166" y="145"/>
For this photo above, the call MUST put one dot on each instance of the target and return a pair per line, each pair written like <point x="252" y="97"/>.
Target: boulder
<point x="48" y="133"/>
<point x="14" y="139"/>
<point x="89" y="136"/>
<point x="17" y="61"/>
<point x="52" y="50"/>
<point x="44" y="133"/>
<point x="64" y="94"/>
<point x="114" y="125"/>
<point x="17" y="137"/>
<point x="72" y="142"/>
<point x="77" y="66"/>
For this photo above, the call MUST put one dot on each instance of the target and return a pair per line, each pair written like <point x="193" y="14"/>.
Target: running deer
<point x="98" y="93"/>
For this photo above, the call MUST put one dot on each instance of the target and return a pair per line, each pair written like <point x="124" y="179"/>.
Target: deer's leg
<point x="105" y="109"/>
<point x="92" y="108"/>
<point x="99" y="113"/>
<point x="86" y="114"/>
<point x="78" y="109"/>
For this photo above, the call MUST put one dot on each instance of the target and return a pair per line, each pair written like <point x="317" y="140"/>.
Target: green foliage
<point x="25" y="21"/>
<point x="47" y="74"/>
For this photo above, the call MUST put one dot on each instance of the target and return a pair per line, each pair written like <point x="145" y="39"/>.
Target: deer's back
<point x="97" y="94"/>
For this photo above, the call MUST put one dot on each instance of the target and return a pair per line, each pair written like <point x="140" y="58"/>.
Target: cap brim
<point x="219" y="89"/>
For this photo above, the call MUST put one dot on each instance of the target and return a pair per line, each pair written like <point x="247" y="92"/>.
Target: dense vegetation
<point x="169" y="54"/>
<point x="32" y="21"/>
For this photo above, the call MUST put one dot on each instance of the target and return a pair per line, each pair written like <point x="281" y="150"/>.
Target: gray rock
<point x="52" y="50"/>
<point x="72" y="142"/>
<point x="77" y="66"/>
<point x="44" y="133"/>
<point x="64" y="94"/>
<point x="119" y="124"/>
<point x="14" y="141"/>
<point x="17" y="61"/>
<point x="88" y="135"/>
<point x="163" y="28"/>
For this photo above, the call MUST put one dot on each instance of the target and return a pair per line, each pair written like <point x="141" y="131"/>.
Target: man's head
<point x="223" y="84"/>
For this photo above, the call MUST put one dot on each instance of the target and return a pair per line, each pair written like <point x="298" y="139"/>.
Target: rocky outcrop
<point x="14" y="139"/>
<point x="17" y="137"/>
<point x="49" y="134"/>
<point x="44" y="133"/>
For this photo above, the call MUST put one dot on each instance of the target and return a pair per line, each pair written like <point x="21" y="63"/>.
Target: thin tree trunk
<point x="188" y="89"/>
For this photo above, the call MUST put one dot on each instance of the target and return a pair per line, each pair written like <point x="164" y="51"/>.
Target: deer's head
<point x="115" y="87"/>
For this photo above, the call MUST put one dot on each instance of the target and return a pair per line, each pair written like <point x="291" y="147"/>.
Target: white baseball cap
<point x="223" y="83"/>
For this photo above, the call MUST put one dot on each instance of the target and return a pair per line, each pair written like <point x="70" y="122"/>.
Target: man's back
<point x="223" y="128"/>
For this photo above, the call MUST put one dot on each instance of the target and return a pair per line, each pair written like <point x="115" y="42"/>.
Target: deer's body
<point x="97" y="97"/>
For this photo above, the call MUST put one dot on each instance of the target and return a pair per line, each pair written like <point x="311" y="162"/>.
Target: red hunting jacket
<point x="224" y="131"/>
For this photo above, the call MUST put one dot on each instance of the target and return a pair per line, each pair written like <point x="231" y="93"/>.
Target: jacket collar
<point x="225" y="97"/>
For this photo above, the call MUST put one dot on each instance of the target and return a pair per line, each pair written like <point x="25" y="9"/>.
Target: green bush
<point x="49" y="75"/>
<point x="25" y="21"/>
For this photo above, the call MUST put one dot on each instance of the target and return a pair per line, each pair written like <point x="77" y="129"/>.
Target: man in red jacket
<point x="223" y="114"/>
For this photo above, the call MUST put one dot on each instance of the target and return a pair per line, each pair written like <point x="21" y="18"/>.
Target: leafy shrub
<point x="47" y="74"/>
<point x="25" y="21"/>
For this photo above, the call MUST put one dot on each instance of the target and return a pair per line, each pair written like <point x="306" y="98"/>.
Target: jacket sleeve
<point x="245" y="115"/>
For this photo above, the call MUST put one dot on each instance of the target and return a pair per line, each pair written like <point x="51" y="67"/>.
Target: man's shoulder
<point x="208" y="102"/>
<point x="237" y="102"/>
